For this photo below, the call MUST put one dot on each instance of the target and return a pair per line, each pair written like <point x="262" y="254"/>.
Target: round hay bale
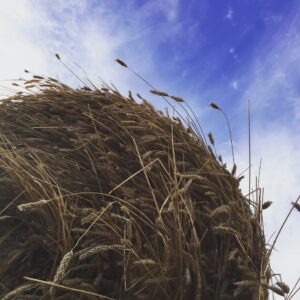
<point x="102" y="197"/>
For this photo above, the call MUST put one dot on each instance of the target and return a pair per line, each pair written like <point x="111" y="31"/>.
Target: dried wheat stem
<point x="145" y="261"/>
<point x="53" y="284"/>
<point x="18" y="291"/>
<point x="100" y="248"/>
<point x="25" y="207"/>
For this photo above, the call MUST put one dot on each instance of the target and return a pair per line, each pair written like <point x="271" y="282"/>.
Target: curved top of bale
<point x="114" y="198"/>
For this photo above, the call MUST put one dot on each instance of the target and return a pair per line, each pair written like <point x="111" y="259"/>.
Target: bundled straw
<point x="107" y="198"/>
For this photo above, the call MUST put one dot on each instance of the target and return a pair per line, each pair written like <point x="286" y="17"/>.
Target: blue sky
<point x="203" y="51"/>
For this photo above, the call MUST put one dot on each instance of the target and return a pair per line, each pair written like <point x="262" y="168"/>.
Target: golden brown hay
<point x="105" y="198"/>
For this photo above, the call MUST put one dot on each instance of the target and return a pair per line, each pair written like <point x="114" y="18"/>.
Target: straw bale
<point x="108" y="196"/>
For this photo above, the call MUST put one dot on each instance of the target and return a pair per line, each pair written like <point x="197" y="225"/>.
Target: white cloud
<point x="235" y="84"/>
<point x="296" y="105"/>
<point x="31" y="35"/>
<point x="93" y="38"/>
<point x="280" y="174"/>
<point x="229" y="14"/>
<point x="275" y="72"/>
<point x="271" y="19"/>
<point x="233" y="53"/>
<point x="273" y="85"/>
<point x="277" y="145"/>
<point x="171" y="9"/>
<point x="18" y="34"/>
<point x="272" y="80"/>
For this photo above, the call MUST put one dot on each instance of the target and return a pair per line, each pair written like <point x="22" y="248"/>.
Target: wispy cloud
<point x="273" y="18"/>
<point x="235" y="85"/>
<point x="280" y="176"/>
<point x="272" y="85"/>
<point x="91" y="36"/>
<point x="233" y="53"/>
<point x="19" y="32"/>
<point x="229" y="14"/>
<point x="275" y="72"/>
<point x="171" y="9"/>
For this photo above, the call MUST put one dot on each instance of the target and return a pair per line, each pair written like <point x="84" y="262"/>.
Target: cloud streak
<point x="275" y="72"/>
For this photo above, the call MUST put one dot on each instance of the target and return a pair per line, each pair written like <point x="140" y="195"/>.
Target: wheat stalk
<point x="18" y="291"/>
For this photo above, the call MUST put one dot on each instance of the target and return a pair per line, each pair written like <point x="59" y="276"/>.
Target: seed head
<point x="241" y="178"/>
<point x="177" y="99"/>
<point x="130" y="96"/>
<point x="296" y="205"/>
<point x="121" y="62"/>
<point x="211" y="138"/>
<point x="285" y="288"/>
<point x="214" y="105"/>
<point x="159" y="93"/>
<point x="57" y="56"/>
<point x="266" y="204"/>
<point x="38" y="77"/>
<point x="276" y="290"/>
